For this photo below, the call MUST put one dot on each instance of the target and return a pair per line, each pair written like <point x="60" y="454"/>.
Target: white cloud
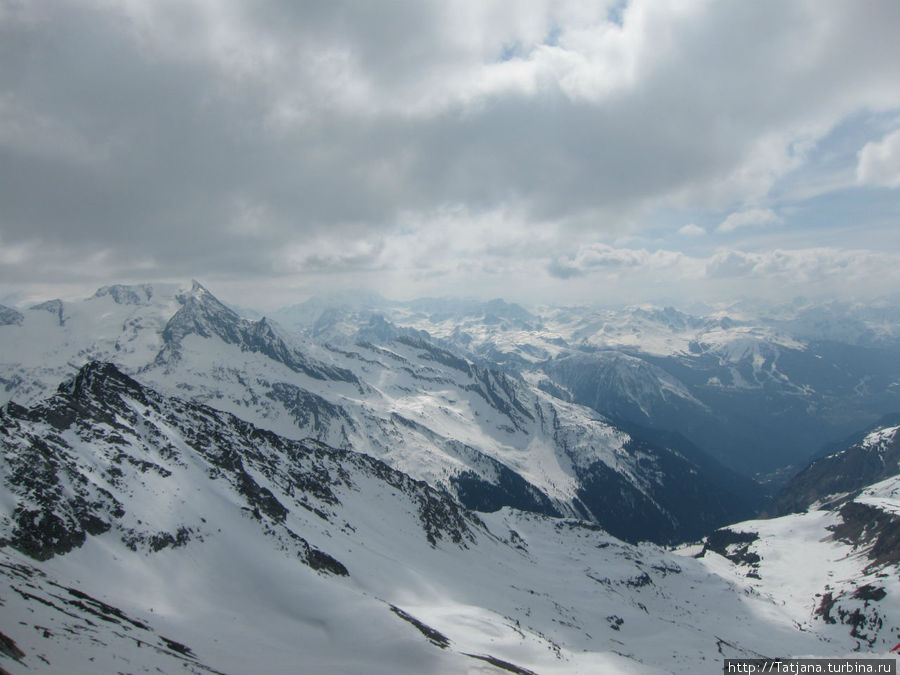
<point x="601" y="258"/>
<point x="691" y="230"/>
<point x="16" y="254"/>
<point x="610" y="274"/>
<point x="229" y="139"/>
<point x="879" y="162"/>
<point x="817" y="269"/>
<point x="749" y="218"/>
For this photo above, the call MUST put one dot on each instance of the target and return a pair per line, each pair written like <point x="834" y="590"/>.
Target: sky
<point x="562" y="151"/>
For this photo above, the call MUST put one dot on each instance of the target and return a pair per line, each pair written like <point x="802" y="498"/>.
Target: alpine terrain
<point x="429" y="487"/>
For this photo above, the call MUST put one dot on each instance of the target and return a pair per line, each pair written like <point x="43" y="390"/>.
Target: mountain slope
<point x="845" y="473"/>
<point x="835" y="570"/>
<point x="203" y="315"/>
<point x="164" y="534"/>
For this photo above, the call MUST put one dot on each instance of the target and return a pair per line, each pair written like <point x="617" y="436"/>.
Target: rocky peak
<point x="202" y="314"/>
<point x="266" y="329"/>
<point x="378" y="330"/>
<point x="99" y="378"/>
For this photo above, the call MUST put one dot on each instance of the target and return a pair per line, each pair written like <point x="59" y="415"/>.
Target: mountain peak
<point x="204" y="314"/>
<point x="123" y="294"/>
<point x="98" y="377"/>
<point x="198" y="289"/>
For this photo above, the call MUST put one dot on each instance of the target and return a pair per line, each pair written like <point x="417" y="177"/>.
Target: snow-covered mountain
<point x="814" y="372"/>
<point x="489" y="437"/>
<point x="143" y="532"/>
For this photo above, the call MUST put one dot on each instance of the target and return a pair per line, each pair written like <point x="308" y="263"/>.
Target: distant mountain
<point x="203" y="315"/>
<point x="871" y="324"/>
<point x="814" y="373"/>
<point x="127" y="295"/>
<point x="318" y="314"/>
<point x="624" y="387"/>
<point x="142" y="532"/>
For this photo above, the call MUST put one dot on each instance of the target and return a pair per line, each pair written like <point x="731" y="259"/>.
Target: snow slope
<point x="834" y="571"/>
<point x="164" y="534"/>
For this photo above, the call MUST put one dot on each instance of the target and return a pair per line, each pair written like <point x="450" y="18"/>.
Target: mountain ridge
<point x="486" y="435"/>
<point x="840" y="476"/>
<point x="259" y="553"/>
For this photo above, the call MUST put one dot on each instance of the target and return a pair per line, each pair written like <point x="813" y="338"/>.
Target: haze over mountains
<point x="442" y="485"/>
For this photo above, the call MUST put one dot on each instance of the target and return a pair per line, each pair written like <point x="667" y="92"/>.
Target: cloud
<point x="809" y="268"/>
<point x="595" y="258"/>
<point x="324" y="256"/>
<point x="749" y="218"/>
<point x="879" y="162"/>
<point x="240" y="140"/>
<point x="730" y="264"/>
<point x="691" y="230"/>
<point x="596" y="272"/>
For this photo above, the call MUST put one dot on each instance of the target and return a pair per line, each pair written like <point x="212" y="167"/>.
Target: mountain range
<point x="436" y="486"/>
<point x="814" y="372"/>
<point x="488" y="436"/>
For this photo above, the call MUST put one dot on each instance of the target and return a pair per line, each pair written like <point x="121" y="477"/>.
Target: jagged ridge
<point x="73" y="462"/>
